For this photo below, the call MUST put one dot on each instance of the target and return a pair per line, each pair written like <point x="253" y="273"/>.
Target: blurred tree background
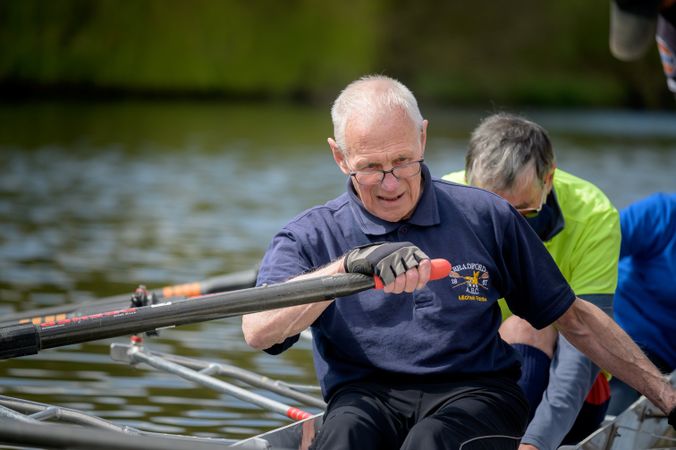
<point x="523" y="52"/>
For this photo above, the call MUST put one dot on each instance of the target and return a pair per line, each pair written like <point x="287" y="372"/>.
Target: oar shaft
<point x="238" y="373"/>
<point x="291" y="412"/>
<point x="229" y="282"/>
<point x="67" y="436"/>
<point x="29" y="338"/>
<point x="26" y="339"/>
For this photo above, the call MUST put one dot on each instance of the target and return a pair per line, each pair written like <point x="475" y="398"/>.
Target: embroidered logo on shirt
<point x="473" y="277"/>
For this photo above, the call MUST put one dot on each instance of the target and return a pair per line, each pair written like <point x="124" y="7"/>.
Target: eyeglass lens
<point x="369" y="177"/>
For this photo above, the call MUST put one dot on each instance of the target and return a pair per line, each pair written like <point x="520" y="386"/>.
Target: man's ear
<point x="549" y="178"/>
<point x="423" y="136"/>
<point x="338" y="156"/>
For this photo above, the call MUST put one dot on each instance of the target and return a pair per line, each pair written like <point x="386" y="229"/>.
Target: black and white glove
<point x="387" y="260"/>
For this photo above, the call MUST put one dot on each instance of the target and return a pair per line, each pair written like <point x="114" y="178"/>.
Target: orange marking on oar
<point x="53" y="321"/>
<point x="297" y="414"/>
<point x="440" y="269"/>
<point x="182" y="290"/>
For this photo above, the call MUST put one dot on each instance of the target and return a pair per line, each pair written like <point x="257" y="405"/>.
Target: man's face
<point x="383" y="143"/>
<point x="528" y="193"/>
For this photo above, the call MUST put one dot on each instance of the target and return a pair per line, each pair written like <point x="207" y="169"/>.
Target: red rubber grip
<point x="297" y="414"/>
<point x="440" y="269"/>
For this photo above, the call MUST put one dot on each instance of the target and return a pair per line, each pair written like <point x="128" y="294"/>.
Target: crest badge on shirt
<point x="472" y="279"/>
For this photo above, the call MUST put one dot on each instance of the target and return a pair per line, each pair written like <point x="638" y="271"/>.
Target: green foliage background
<point x="524" y="52"/>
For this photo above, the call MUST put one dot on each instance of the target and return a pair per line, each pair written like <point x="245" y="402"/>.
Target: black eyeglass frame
<point x="530" y="213"/>
<point x="393" y="171"/>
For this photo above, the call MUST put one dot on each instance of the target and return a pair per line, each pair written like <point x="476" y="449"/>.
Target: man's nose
<point x="389" y="182"/>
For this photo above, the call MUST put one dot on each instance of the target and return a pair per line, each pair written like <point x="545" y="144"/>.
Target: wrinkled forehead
<point x="382" y="128"/>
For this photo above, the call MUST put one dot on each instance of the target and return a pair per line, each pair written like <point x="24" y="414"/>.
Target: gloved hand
<point x="387" y="259"/>
<point x="672" y="418"/>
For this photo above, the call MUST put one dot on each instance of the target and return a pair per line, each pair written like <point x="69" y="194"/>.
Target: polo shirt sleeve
<point x="533" y="285"/>
<point x="282" y="261"/>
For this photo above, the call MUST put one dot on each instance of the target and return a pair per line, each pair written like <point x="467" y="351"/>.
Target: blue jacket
<point x="645" y="300"/>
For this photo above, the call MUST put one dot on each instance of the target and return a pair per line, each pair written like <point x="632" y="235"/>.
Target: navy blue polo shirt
<point x="447" y="330"/>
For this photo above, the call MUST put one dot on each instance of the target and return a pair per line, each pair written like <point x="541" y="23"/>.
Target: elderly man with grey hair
<point x="421" y="365"/>
<point x="514" y="158"/>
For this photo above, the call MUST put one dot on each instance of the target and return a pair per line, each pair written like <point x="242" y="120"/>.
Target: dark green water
<point x="96" y="199"/>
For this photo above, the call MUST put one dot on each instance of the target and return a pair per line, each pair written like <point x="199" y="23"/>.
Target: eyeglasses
<point x="376" y="176"/>
<point x="529" y="213"/>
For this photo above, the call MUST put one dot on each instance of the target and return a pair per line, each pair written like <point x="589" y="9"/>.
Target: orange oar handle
<point x="440" y="269"/>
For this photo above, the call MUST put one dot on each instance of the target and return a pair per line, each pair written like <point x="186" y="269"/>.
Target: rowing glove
<point x="386" y="259"/>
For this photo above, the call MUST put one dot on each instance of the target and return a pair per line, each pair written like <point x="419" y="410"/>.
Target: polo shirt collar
<point x="558" y="222"/>
<point x="426" y="212"/>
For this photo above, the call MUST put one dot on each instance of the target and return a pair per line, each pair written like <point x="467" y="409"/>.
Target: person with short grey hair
<point x="496" y="163"/>
<point x="514" y="157"/>
<point x="357" y="101"/>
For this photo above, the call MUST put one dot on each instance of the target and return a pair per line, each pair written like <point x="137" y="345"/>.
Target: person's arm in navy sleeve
<point x="264" y="329"/>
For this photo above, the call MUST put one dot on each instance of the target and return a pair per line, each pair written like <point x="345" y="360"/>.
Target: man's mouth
<point x="390" y="199"/>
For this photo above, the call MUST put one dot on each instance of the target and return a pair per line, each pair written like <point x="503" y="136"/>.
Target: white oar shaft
<point x="136" y="354"/>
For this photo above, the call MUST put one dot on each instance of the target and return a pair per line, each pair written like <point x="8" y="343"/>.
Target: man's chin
<point x="393" y="215"/>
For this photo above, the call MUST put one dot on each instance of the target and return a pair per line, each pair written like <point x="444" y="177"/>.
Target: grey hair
<point x="502" y="146"/>
<point x="368" y="96"/>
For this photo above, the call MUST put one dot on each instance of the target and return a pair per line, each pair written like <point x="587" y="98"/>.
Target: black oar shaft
<point x="27" y="339"/>
<point x="229" y="282"/>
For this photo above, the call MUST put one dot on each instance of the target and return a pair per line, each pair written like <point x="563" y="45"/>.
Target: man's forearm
<point x="266" y="328"/>
<point x="605" y="343"/>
